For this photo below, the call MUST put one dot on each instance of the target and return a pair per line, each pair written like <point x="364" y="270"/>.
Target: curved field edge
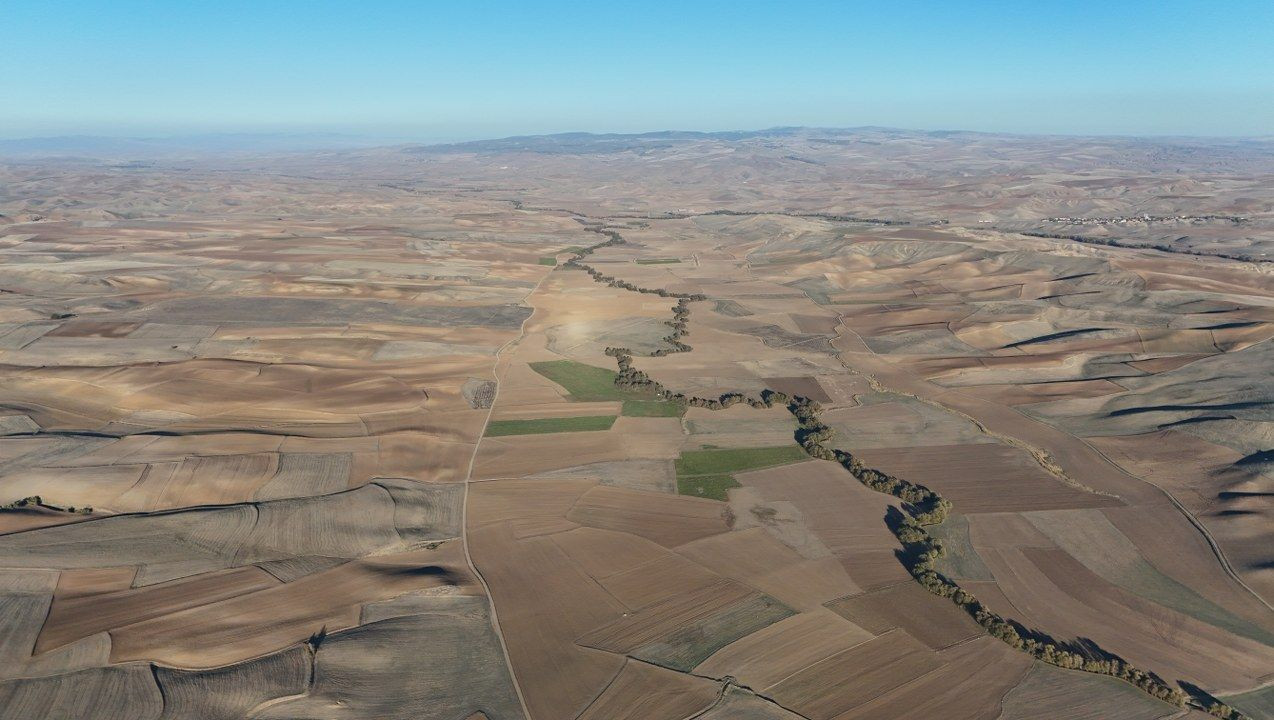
<point x="443" y="642"/>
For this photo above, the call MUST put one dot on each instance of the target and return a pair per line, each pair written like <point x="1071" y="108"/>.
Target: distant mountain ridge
<point x="602" y="143"/>
<point x="141" y="148"/>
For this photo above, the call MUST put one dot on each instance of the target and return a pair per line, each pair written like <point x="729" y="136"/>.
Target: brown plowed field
<point x="837" y="685"/>
<point x="932" y="620"/>
<point x="766" y="657"/>
<point x="983" y="477"/>
<point x="669" y="521"/>
<point x="648" y="692"/>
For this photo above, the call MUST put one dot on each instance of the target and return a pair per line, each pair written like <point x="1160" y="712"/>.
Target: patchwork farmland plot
<point x="585" y="383"/>
<point x="709" y="473"/>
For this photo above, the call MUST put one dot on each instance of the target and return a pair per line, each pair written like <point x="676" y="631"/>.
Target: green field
<point x="548" y="260"/>
<point x="538" y="426"/>
<point x="713" y="487"/>
<point x="732" y="460"/>
<point x="707" y="473"/>
<point x="588" y="383"/>
<point x="657" y="261"/>
<point x="584" y="383"/>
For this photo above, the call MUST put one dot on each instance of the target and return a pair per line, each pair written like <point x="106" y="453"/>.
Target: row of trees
<point x="680" y="318"/>
<point x="612" y="238"/>
<point x="1161" y="247"/>
<point x="751" y="213"/>
<point x="923" y="507"/>
<point x="921" y="554"/>
<point x="615" y="282"/>
<point x="681" y="313"/>
<point x="813" y="434"/>
<point x="35" y="501"/>
<point x="922" y="551"/>
<point x="630" y="378"/>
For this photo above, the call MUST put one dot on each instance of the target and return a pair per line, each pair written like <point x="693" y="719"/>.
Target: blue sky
<point x="467" y="69"/>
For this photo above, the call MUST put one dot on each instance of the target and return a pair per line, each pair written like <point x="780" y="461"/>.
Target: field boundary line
<point x="464" y="509"/>
<point x="1198" y="525"/>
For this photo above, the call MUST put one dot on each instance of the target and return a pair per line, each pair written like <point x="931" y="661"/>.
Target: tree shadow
<point x="1201" y="696"/>
<point x="1034" y="641"/>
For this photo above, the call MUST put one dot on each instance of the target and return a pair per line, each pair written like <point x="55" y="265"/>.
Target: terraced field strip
<point x="537" y="426"/>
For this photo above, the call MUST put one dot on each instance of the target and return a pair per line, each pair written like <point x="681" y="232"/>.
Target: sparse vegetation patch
<point x="713" y="487"/>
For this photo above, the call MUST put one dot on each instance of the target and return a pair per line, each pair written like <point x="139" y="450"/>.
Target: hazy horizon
<point x="367" y="138"/>
<point x="284" y="141"/>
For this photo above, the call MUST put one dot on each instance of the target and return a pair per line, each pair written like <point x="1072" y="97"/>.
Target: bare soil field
<point x="764" y="658"/>
<point x="1064" y="694"/>
<point x="984" y="477"/>
<point x="476" y="431"/>
<point x="649" y="692"/>
<point x="970" y="684"/>
<point x="837" y="685"/>
<point x="909" y="607"/>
